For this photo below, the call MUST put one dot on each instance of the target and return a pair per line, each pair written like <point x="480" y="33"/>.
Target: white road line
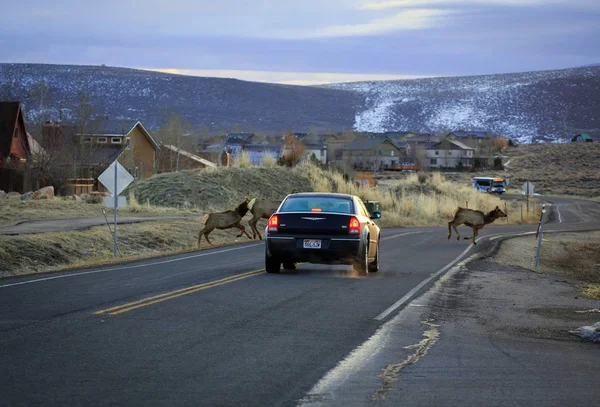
<point x="559" y="217"/>
<point x="412" y="292"/>
<point x="128" y="267"/>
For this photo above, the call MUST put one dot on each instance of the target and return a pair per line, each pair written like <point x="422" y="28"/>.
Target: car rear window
<point x="317" y="204"/>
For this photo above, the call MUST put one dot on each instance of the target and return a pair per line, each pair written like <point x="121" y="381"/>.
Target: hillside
<point x="532" y="106"/>
<point x="563" y="169"/>
<point x="527" y="107"/>
<point x="219" y="104"/>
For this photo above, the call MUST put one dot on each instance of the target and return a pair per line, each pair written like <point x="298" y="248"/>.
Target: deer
<point x="225" y="220"/>
<point x="474" y="219"/>
<point x="262" y="209"/>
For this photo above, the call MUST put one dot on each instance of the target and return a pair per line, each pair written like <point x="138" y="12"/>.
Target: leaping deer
<point x="475" y="219"/>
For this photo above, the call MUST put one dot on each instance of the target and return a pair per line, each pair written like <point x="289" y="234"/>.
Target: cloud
<point x="416" y="19"/>
<point x="287" y="78"/>
<point x="387" y="4"/>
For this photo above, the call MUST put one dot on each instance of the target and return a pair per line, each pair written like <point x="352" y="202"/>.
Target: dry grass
<point x="220" y="188"/>
<point x="14" y="211"/>
<point x="411" y="201"/>
<point x="242" y="160"/>
<point x="268" y="159"/>
<point x="26" y="254"/>
<point x="573" y="255"/>
<point x="591" y="291"/>
<point x="561" y="169"/>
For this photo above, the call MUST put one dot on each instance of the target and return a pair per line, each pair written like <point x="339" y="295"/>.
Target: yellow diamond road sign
<point x="107" y="178"/>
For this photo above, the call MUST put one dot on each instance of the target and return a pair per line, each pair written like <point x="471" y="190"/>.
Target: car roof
<point x="322" y="194"/>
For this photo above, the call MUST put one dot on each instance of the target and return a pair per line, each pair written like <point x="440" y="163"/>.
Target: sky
<point x="305" y="41"/>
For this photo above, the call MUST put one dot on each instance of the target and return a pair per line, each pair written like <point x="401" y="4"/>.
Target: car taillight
<point x="273" y="223"/>
<point x="354" y="226"/>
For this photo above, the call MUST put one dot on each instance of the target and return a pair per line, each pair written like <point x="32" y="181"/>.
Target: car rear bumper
<point x="340" y="250"/>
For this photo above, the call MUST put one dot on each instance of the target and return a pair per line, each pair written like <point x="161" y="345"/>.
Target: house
<point x="15" y="150"/>
<point x="240" y="138"/>
<point x="372" y="154"/>
<point x="335" y="146"/>
<point x="170" y="158"/>
<point x="449" y="153"/>
<point x="318" y="149"/>
<point x="579" y="138"/>
<point x="481" y="141"/>
<point x="130" y="143"/>
<point x="257" y="152"/>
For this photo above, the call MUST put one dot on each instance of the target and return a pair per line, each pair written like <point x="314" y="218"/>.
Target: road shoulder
<point x="487" y="333"/>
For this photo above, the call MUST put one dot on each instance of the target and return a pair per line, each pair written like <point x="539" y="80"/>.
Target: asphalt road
<point x="210" y="328"/>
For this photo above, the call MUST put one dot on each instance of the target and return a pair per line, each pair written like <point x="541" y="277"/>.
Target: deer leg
<point x="252" y="224"/>
<point x="243" y="231"/>
<point x="449" y="230"/>
<point x="200" y="235"/>
<point x="206" y="236"/>
<point x="456" y="230"/>
<point x="205" y="232"/>
<point x="475" y="233"/>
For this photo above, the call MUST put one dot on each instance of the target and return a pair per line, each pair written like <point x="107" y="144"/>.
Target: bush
<point x="498" y="163"/>
<point x="460" y="166"/>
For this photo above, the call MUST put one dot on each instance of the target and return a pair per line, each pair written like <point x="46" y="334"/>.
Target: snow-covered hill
<point x="544" y="105"/>
<point x="533" y="106"/>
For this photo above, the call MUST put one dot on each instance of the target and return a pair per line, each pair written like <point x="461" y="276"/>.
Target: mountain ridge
<point x="527" y="106"/>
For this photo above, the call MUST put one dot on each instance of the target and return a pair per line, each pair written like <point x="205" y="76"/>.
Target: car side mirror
<point x="375" y="215"/>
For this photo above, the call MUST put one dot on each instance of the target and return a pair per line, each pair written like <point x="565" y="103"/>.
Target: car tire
<point x="272" y="265"/>
<point x="374" y="265"/>
<point x="289" y="265"/>
<point x="362" y="263"/>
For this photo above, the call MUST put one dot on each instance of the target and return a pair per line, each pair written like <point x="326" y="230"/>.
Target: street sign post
<point x="115" y="178"/>
<point x="527" y="192"/>
<point x="527" y="189"/>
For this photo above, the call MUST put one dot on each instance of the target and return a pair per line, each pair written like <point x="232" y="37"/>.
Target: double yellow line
<point x="144" y="302"/>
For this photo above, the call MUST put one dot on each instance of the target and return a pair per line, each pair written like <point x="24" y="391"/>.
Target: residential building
<point x="449" y="154"/>
<point x="335" y="146"/>
<point x="130" y="143"/>
<point x="481" y="141"/>
<point x="15" y="150"/>
<point x="372" y="154"/>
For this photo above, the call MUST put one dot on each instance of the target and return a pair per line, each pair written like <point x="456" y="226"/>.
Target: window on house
<point x="433" y="161"/>
<point x="128" y="142"/>
<point x="87" y="139"/>
<point x="115" y="140"/>
<point x="101" y="140"/>
<point x="437" y="152"/>
<point x="392" y="153"/>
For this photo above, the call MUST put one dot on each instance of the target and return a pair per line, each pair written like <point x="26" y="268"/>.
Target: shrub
<point x="498" y="163"/>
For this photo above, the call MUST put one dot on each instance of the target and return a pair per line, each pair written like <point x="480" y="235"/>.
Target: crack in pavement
<point x="391" y="372"/>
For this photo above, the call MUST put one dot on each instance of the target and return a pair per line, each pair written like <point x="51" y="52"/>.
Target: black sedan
<point x="322" y="228"/>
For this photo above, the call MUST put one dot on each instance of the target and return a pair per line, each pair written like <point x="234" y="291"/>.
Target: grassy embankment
<point x="575" y="256"/>
<point x="429" y="201"/>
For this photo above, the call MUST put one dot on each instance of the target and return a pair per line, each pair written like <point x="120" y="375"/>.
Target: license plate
<point x="312" y="244"/>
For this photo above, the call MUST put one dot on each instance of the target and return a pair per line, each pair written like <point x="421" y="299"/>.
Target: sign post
<point x="116" y="202"/>
<point x="527" y="190"/>
<point x="541" y="234"/>
<point x="116" y="178"/>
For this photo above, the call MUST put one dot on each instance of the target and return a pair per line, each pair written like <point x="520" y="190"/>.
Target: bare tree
<point x="293" y="150"/>
<point x="177" y="132"/>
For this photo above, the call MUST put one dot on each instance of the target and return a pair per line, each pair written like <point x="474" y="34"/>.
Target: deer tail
<point x="205" y="218"/>
<point x="251" y="203"/>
